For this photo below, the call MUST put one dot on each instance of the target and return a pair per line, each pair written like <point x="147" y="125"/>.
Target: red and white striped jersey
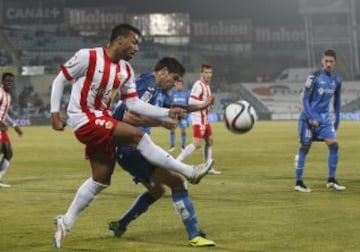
<point x="5" y="101"/>
<point x="200" y="92"/>
<point x="96" y="81"/>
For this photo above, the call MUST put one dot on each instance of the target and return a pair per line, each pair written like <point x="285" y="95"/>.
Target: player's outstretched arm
<point x="144" y="121"/>
<point x="136" y="105"/>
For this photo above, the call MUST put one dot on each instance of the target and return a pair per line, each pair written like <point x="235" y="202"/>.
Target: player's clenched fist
<point x="56" y="122"/>
<point x="176" y="113"/>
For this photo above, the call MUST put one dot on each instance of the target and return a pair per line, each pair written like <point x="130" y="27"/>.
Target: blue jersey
<point x="148" y="91"/>
<point x="318" y="93"/>
<point x="179" y="98"/>
<point x="320" y="89"/>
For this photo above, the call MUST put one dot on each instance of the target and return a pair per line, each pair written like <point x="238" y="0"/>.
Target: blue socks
<point x="333" y="158"/>
<point x="183" y="206"/>
<point x="172" y="139"/>
<point x="183" y="140"/>
<point x="185" y="209"/>
<point x="300" y="164"/>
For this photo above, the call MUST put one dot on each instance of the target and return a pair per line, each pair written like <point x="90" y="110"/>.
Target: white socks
<point x="186" y="152"/>
<point x="4" y="167"/>
<point x="84" y="196"/>
<point x="157" y="156"/>
<point x="189" y="149"/>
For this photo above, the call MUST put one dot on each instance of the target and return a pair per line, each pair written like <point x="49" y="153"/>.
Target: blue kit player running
<point x="179" y="97"/>
<point x="315" y="122"/>
<point x="152" y="87"/>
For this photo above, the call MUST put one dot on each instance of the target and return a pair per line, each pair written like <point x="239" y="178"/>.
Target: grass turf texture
<point x="250" y="207"/>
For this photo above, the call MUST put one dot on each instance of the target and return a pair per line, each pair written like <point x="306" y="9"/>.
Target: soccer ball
<point x="239" y="117"/>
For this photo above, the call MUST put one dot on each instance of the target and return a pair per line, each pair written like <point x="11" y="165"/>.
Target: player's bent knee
<point x="102" y="176"/>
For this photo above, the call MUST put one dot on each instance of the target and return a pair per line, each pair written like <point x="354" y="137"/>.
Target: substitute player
<point x="315" y="123"/>
<point x="178" y="97"/>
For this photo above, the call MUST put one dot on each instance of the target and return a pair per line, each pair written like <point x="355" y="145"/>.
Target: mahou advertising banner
<point x="279" y="37"/>
<point x="220" y="31"/>
<point x="93" y="19"/>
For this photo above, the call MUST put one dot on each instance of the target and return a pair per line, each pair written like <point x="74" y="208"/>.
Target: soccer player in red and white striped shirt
<point x="7" y="82"/>
<point x="97" y="75"/>
<point x="200" y="91"/>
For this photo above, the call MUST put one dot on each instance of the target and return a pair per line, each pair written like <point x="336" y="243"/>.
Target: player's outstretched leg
<point x="157" y="156"/>
<point x="200" y="171"/>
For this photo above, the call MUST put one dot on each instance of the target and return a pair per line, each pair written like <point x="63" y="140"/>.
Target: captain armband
<point x="309" y="81"/>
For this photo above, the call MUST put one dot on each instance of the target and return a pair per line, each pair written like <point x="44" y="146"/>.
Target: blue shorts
<point x="308" y="133"/>
<point x="183" y="123"/>
<point x="131" y="160"/>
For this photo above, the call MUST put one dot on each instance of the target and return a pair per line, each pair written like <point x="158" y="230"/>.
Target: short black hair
<point x="330" y="53"/>
<point x="6" y="74"/>
<point x="123" y="30"/>
<point x="172" y="64"/>
<point x="205" y="66"/>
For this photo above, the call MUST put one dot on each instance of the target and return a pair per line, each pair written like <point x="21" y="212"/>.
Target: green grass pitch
<point x="250" y="207"/>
